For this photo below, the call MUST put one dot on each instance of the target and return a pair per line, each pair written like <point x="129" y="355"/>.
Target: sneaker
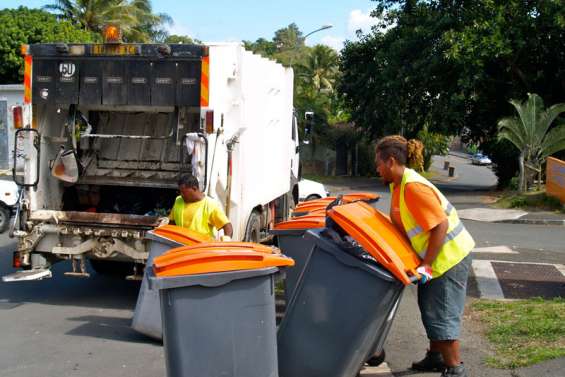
<point x="458" y="371"/>
<point x="433" y="362"/>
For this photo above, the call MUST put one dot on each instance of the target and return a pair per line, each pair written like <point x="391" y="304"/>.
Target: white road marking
<point x="495" y="250"/>
<point x="487" y="281"/>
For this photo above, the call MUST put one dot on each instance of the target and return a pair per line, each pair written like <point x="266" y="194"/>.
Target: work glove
<point x="225" y="238"/>
<point x="425" y="274"/>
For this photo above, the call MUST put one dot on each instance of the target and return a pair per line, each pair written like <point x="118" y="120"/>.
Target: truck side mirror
<point x="26" y="157"/>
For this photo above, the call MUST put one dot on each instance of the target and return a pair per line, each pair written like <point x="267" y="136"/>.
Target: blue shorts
<point x="442" y="302"/>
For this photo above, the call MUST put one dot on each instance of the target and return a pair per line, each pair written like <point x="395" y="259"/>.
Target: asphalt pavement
<point x="81" y="327"/>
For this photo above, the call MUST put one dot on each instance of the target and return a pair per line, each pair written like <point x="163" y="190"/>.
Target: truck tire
<point x="111" y="268"/>
<point x="5" y="215"/>
<point x="253" y="229"/>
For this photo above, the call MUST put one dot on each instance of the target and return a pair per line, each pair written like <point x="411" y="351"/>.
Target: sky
<point x="236" y="20"/>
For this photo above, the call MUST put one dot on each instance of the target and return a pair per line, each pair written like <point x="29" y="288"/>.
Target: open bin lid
<point x="356" y="196"/>
<point x="180" y="235"/>
<point x="379" y="237"/>
<point x="221" y="258"/>
<point x="315" y="205"/>
<point x="303" y="222"/>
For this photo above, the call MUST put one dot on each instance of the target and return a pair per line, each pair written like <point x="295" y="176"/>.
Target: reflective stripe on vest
<point x="458" y="242"/>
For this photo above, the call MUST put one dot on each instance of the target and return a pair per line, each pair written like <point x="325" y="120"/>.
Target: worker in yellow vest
<point x="195" y="211"/>
<point x="431" y="224"/>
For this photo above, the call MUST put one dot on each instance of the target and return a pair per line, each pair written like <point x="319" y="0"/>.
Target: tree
<point x="184" y="39"/>
<point x="135" y="17"/>
<point x="26" y="26"/>
<point x="320" y="69"/>
<point x="453" y="65"/>
<point x="532" y="134"/>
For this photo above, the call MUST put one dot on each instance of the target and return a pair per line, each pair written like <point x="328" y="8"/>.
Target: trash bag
<point x="65" y="166"/>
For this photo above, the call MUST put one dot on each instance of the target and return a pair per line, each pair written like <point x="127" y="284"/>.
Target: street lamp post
<point x="323" y="27"/>
<point x="303" y="39"/>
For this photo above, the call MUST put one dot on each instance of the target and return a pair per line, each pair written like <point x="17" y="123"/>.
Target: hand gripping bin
<point x="347" y="296"/>
<point x="218" y="309"/>
<point x="290" y="238"/>
<point x="147" y="314"/>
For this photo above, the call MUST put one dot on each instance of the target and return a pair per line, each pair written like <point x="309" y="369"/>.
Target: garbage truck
<point x="106" y="129"/>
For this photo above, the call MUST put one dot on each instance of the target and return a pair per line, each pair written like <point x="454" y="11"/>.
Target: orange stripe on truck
<point x="27" y="79"/>
<point x="204" y="82"/>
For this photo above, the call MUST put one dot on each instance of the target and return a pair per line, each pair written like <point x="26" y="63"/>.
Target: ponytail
<point x="409" y="153"/>
<point x="415" y="154"/>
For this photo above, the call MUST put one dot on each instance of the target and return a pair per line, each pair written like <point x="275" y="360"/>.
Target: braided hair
<point x="409" y="153"/>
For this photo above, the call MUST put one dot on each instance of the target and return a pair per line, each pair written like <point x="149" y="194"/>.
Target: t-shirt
<point x="203" y="216"/>
<point x="422" y="202"/>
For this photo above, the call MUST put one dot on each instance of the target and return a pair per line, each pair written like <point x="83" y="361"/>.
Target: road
<point x="71" y="327"/>
<point x="80" y="327"/>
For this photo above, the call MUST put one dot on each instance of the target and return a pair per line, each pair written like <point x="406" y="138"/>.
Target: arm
<point x="437" y="237"/>
<point x="228" y="230"/>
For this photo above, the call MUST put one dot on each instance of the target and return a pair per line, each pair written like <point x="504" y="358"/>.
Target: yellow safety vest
<point x="458" y="242"/>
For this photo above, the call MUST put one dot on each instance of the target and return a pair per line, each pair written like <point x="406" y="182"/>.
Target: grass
<point x="536" y="200"/>
<point x="523" y="332"/>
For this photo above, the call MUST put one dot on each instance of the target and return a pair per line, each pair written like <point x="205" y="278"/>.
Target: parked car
<point x="310" y="190"/>
<point x="8" y="198"/>
<point x="480" y="159"/>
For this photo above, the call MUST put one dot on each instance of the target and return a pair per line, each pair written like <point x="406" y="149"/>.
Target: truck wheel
<point x="5" y="215"/>
<point x="253" y="230"/>
<point x="312" y="197"/>
<point x="111" y="268"/>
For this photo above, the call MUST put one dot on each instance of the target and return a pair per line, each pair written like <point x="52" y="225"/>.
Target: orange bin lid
<point x="379" y="237"/>
<point x="314" y="205"/>
<point x="355" y="196"/>
<point x="197" y="248"/>
<point x="303" y="222"/>
<point x="180" y="235"/>
<point x="191" y="260"/>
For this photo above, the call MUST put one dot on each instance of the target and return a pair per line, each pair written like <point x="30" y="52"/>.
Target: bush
<point x="505" y="160"/>
<point x="434" y="144"/>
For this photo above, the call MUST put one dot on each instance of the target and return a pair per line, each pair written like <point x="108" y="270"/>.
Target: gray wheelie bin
<point x="218" y="311"/>
<point x="347" y="296"/>
<point x="291" y="241"/>
<point x="147" y="315"/>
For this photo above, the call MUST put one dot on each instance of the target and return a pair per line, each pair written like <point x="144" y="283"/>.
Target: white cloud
<point x="360" y="20"/>
<point x="178" y="28"/>
<point x="334" y="42"/>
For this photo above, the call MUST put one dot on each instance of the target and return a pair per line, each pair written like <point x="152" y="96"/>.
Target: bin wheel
<point x="253" y="230"/>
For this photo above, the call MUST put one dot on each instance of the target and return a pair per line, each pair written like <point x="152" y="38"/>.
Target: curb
<point x="533" y="222"/>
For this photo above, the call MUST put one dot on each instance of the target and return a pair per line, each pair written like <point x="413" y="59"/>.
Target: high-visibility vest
<point x="458" y="242"/>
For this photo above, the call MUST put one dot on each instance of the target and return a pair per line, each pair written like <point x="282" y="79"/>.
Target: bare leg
<point x="449" y="350"/>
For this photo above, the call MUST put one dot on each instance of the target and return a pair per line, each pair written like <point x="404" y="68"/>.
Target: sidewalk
<point x="476" y="207"/>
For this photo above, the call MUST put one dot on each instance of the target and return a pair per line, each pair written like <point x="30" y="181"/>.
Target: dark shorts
<point x="442" y="302"/>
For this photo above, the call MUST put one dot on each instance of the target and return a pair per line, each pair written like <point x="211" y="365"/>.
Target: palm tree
<point x="135" y="17"/>
<point x="532" y="134"/>
<point x="320" y="69"/>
